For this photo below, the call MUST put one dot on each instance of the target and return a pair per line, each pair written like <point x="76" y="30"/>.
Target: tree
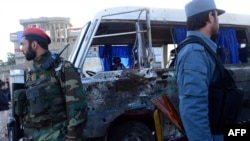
<point x="10" y="59"/>
<point x="1" y="63"/>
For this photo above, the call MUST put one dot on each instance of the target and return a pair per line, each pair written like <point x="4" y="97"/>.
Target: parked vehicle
<point x="120" y="102"/>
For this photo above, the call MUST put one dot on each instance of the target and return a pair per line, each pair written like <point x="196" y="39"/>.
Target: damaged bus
<point x="121" y="103"/>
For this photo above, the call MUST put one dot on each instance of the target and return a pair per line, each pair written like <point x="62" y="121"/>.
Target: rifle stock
<point x="167" y="109"/>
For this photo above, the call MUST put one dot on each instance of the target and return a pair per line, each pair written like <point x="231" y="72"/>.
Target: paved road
<point x="2" y="138"/>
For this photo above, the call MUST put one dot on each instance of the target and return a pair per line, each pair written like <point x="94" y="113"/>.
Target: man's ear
<point x="34" y="45"/>
<point x="211" y="17"/>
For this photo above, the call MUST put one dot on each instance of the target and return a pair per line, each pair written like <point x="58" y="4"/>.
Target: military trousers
<point x="55" y="132"/>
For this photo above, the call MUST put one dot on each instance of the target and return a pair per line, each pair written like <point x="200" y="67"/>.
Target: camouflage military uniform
<point x="56" y="102"/>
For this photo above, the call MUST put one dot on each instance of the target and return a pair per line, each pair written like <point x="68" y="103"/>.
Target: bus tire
<point x="131" y="131"/>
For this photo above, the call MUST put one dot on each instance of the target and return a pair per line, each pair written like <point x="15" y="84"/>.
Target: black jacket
<point x="4" y="99"/>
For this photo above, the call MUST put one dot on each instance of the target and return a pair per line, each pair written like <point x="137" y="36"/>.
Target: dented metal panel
<point x="110" y="94"/>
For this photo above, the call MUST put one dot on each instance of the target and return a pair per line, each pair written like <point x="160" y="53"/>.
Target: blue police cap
<point x="198" y="6"/>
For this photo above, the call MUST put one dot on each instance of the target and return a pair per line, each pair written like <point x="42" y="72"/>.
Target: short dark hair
<point x="198" y="21"/>
<point x="2" y="83"/>
<point x="116" y="60"/>
<point x="43" y="43"/>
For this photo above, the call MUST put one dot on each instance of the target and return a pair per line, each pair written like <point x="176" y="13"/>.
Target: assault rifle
<point x="167" y="109"/>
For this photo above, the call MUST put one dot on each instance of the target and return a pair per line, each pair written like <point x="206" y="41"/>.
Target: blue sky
<point x="11" y="11"/>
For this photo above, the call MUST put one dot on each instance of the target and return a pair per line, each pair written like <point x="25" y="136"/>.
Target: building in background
<point x="58" y="28"/>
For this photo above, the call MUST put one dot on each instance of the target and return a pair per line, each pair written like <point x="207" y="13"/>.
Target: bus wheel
<point x="131" y="131"/>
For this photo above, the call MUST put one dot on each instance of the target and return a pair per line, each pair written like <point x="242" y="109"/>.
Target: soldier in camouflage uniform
<point x="55" y="106"/>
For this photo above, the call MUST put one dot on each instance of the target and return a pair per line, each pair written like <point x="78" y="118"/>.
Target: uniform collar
<point x="40" y="60"/>
<point x="205" y="38"/>
<point x="43" y="57"/>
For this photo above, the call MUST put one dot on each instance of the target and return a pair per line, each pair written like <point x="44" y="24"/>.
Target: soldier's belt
<point x="43" y="124"/>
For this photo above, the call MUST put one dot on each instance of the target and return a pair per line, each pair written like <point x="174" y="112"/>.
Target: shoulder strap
<point x="57" y="72"/>
<point x="196" y="39"/>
